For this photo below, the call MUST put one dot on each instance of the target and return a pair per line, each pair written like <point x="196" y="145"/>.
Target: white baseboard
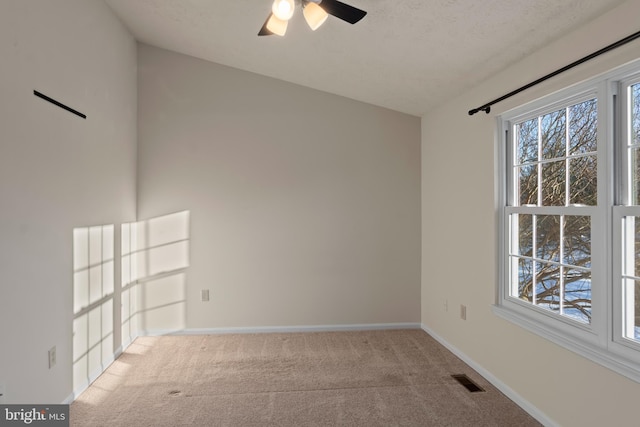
<point x="281" y="329"/>
<point x="505" y="389"/>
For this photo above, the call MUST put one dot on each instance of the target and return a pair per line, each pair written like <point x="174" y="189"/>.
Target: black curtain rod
<point x="487" y="107"/>
<point x="59" y="104"/>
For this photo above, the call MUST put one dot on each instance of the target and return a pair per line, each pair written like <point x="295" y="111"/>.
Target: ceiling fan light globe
<point x="283" y="9"/>
<point x="277" y="26"/>
<point x="314" y="15"/>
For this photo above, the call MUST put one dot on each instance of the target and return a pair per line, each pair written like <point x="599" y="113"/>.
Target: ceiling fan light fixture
<point x="283" y="9"/>
<point x="314" y="15"/>
<point x="277" y="26"/>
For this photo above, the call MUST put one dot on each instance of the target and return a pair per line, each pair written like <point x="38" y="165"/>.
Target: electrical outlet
<point x="463" y="312"/>
<point x="3" y="393"/>
<point x="52" y="357"/>
<point x="446" y="305"/>
<point x="204" y="295"/>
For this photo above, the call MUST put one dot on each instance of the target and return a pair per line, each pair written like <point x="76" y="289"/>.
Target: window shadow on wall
<point x="159" y="263"/>
<point x="149" y="298"/>
<point x="93" y="302"/>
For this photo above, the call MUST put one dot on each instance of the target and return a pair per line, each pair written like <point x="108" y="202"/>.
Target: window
<point x="555" y="167"/>
<point x="570" y="219"/>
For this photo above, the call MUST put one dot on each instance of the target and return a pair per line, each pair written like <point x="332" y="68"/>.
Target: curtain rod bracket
<point x="485" y="108"/>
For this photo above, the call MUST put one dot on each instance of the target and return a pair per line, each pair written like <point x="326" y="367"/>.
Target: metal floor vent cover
<point x="467" y="383"/>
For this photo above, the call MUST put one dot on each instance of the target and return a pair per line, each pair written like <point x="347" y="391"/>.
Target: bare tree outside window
<point x="556" y="166"/>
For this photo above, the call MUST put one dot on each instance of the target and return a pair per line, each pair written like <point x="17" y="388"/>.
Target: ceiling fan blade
<point x="343" y="11"/>
<point x="264" y="31"/>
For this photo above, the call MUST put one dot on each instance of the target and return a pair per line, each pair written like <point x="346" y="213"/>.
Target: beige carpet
<point x="370" y="378"/>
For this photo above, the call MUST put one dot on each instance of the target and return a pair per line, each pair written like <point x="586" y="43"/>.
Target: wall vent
<point x="467" y="383"/>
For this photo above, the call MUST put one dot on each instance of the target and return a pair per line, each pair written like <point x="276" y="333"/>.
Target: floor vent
<point x="467" y="383"/>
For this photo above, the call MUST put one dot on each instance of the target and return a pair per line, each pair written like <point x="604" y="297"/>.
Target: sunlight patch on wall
<point x="154" y="255"/>
<point x="164" y="302"/>
<point x="161" y="259"/>
<point x="93" y="290"/>
<point x="165" y="244"/>
<point x="130" y="296"/>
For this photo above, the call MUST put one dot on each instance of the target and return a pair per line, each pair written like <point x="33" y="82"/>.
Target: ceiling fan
<point x="315" y="13"/>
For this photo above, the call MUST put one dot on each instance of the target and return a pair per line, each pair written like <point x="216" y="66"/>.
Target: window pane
<point x="634" y="155"/>
<point x="548" y="237"/>
<point x="577" y="241"/>
<point x="548" y="286"/>
<point x="525" y="279"/>
<point x="553" y="132"/>
<point x="553" y="183"/>
<point x="632" y="303"/>
<point x="583" y="181"/>
<point x="631" y="285"/>
<point x="527" y="141"/>
<point x="577" y="294"/>
<point x="632" y="243"/>
<point x="528" y="185"/>
<point x="631" y="246"/>
<point x="635" y="114"/>
<point x="636" y="316"/>
<point x="525" y="234"/>
<point x="583" y="127"/>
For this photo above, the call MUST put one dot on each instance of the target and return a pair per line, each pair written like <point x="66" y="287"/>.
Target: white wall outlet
<point x="463" y="312"/>
<point x="3" y="393"/>
<point x="204" y="295"/>
<point x="52" y="357"/>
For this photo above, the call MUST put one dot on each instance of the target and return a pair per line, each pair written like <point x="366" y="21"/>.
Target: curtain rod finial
<point x="486" y="109"/>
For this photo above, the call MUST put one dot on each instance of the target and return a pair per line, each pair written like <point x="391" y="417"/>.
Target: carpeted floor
<point x="364" y="378"/>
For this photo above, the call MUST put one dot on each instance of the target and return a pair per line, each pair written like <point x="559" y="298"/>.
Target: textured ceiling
<point x="405" y="55"/>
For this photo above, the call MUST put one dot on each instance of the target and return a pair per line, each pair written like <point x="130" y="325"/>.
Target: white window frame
<point x="602" y="340"/>
<point x="621" y="345"/>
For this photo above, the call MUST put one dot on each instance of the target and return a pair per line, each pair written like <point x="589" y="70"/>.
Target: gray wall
<point x="58" y="173"/>
<point x="304" y="206"/>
